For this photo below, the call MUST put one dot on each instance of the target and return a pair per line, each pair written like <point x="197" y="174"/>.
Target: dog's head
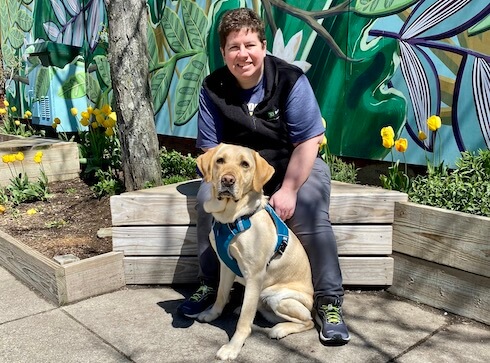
<point x="234" y="170"/>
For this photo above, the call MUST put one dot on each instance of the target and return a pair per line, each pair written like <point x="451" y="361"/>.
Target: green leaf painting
<point x="43" y="80"/>
<point x="174" y="31"/>
<point x="378" y="8"/>
<point x="196" y="24"/>
<point x="93" y="88"/>
<point x="160" y="84"/>
<point x="74" y="87"/>
<point x="24" y="21"/>
<point x="188" y="88"/>
<point x="481" y="27"/>
<point x="104" y="69"/>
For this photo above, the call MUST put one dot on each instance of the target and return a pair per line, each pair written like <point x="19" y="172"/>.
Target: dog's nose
<point x="227" y="180"/>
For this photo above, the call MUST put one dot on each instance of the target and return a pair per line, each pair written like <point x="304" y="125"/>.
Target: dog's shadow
<point x="227" y="321"/>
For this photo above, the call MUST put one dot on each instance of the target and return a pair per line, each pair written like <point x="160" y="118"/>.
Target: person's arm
<point x="306" y="132"/>
<point x="299" y="168"/>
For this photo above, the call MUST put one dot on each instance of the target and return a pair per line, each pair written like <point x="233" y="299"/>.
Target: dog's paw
<point x="228" y="352"/>
<point x="208" y="316"/>
<point x="278" y="332"/>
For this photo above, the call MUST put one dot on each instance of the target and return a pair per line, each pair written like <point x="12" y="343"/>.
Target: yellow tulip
<point x="37" y="159"/>
<point x="5" y="158"/>
<point x="100" y="118"/>
<point x="14" y="109"/>
<point x="94" y="125"/>
<point x="85" y="114"/>
<point x="2" y="209"/>
<point x="57" y="121"/>
<point x="422" y="135"/>
<point x="28" y="113"/>
<point x="11" y="158"/>
<point x="434" y="122"/>
<point x="112" y="116"/>
<point x="6" y="103"/>
<point x="106" y="109"/>
<point x="19" y="156"/>
<point x="388" y="142"/>
<point x="74" y="111"/>
<point x="90" y="110"/>
<point x="31" y="211"/>
<point x="54" y="125"/>
<point x="401" y="145"/>
<point x="39" y="154"/>
<point x="109" y="131"/>
<point x="387" y="132"/>
<point x="3" y="111"/>
<point x="84" y="121"/>
<point x="17" y="122"/>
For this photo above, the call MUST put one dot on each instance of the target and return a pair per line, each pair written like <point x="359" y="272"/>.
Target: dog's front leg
<point x="244" y="325"/>
<point x="227" y="277"/>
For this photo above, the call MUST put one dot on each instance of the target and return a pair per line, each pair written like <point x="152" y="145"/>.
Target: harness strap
<point x="224" y="233"/>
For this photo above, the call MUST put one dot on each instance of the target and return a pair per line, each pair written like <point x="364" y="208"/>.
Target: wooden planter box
<point x="60" y="158"/>
<point x="442" y="259"/>
<point x="62" y="284"/>
<point x="156" y="230"/>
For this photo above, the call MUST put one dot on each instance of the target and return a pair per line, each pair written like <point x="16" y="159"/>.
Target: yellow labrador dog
<point x="276" y="276"/>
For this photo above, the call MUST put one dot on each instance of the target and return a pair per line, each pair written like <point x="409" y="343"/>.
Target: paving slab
<point x="140" y="325"/>
<point x="17" y="300"/>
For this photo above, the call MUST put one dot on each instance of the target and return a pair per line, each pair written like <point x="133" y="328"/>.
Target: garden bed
<point x="442" y="259"/>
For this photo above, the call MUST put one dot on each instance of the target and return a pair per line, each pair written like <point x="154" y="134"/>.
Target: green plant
<point x="21" y="189"/>
<point x="107" y="183"/>
<point x="339" y="169"/>
<point x="177" y="167"/>
<point x="396" y="178"/>
<point x="12" y="123"/>
<point x="465" y="189"/>
<point x="56" y="224"/>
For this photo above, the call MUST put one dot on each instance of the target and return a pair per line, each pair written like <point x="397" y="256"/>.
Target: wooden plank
<point x="375" y="271"/>
<point x="93" y="276"/>
<point x="31" y="266"/>
<point x="175" y="204"/>
<point x="443" y="287"/>
<point x="181" y="240"/>
<point x="454" y="239"/>
<point x="60" y="159"/>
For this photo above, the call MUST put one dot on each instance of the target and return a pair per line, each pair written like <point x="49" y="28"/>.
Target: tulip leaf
<point x="188" y="88"/>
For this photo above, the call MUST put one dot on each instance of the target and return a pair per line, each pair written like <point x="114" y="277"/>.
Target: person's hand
<point x="284" y="203"/>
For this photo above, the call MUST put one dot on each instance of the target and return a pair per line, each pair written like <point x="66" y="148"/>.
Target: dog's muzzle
<point x="227" y="187"/>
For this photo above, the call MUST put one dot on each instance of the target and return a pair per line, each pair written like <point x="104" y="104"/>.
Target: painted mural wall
<point x="371" y="63"/>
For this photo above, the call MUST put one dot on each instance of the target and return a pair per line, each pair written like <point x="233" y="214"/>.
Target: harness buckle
<point x="283" y="245"/>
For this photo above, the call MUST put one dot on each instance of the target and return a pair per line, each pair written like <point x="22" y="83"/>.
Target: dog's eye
<point x="220" y="161"/>
<point x="245" y="164"/>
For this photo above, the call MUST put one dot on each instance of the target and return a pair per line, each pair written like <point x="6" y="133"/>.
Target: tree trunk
<point x="128" y="59"/>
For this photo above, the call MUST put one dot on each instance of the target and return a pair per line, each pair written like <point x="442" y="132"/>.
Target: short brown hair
<point x="236" y="19"/>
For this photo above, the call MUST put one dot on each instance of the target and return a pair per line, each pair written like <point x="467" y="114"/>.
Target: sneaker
<point x="333" y="330"/>
<point x="202" y="299"/>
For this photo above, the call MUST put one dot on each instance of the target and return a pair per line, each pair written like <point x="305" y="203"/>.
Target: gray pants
<point x="310" y="222"/>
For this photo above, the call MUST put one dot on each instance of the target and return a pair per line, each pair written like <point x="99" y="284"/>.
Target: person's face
<point x="244" y="56"/>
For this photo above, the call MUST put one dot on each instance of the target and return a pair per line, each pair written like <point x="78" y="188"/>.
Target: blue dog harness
<point x="224" y="233"/>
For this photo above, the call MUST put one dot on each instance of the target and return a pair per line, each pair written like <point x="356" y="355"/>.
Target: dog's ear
<point x="263" y="172"/>
<point x="204" y="163"/>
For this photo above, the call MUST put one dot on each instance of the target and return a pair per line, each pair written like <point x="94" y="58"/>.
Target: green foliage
<point x="339" y="169"/>
<point x="465" y="189"/>
<point x="107" y="183"/>
<point x="22" y="190"/>
<point x="177" y="167"/>
<point x="396" y="179"/>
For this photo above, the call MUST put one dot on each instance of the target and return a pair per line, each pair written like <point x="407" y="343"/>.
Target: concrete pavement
<point x="140" y="324"/>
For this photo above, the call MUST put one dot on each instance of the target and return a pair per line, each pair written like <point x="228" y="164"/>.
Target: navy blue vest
<point x="265" y="130"/>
